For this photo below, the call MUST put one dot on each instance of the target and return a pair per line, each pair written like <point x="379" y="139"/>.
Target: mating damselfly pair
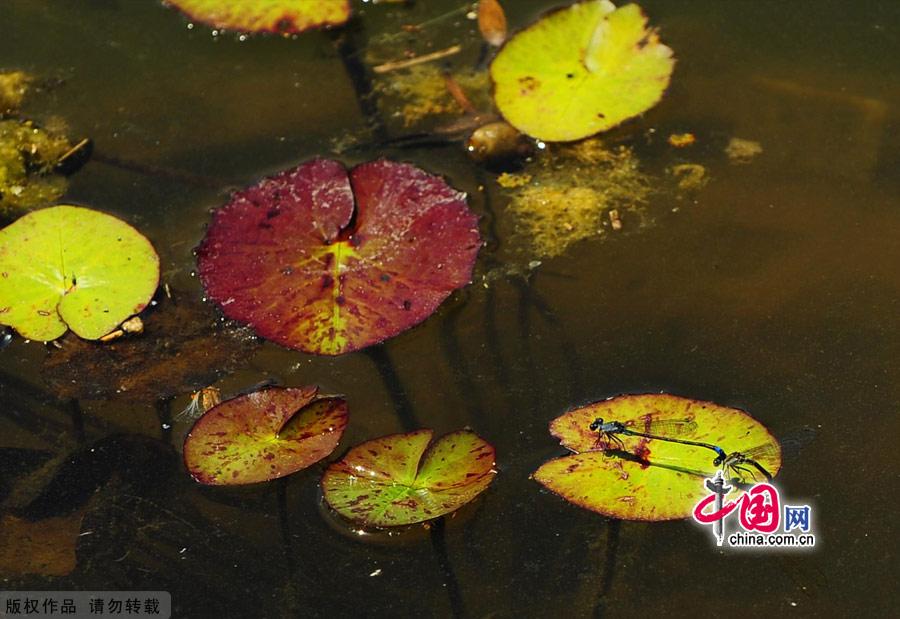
<point x="668" y="430"/>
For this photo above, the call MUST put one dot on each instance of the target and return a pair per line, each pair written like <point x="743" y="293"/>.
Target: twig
<point x="459" y="95"/>
<point x="161" y="172"/>
<point x="403" y="64"/>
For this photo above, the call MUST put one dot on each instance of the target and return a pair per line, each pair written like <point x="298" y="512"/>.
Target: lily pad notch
<point x="328" y="261"/>
<point x="70" y="267"/>
<point x="264" y="435"/>
<point x="399" y="479"/>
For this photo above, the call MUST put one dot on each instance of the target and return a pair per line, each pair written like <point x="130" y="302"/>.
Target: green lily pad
<point x="263" y="435"/>
<point x="68" y="267"/>
<point x="580" y="70"/>
<point x="327" y="262"/>
<point x="647" y="479"/>
<point x="281" y="16"/>
<point x="388" y="482"/>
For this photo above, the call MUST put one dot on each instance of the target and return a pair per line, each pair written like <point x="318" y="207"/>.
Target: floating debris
<point x="741" y="151"/>
<point x="492" y="22"/>
<point x="682" y="140"/>
<point x="132" y="326"/>
<point x="497" y="143"/>
<point x="201" y="401"/>
<point x="614" y="220"/>
<point x="690" y="176"/>
<point x="13" y="88"/>
<point x="406" y="63"/>
<point x="511" y="181"/>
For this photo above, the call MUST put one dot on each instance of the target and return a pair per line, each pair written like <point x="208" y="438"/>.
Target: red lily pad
<point x="327" y="262"/>
<point x="264" y="435"/>
<point x="393" y="480"/>
<point x="647" y="479"/>
<point x="281" y="16"/>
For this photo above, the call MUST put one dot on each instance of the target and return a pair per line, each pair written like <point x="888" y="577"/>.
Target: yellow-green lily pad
<point x="393" y="480"/>
<point x="580" y="70"/>
<point x="281" y="16"/>
<point x="68" y="267"/>
<point x="646" y="479"/>
<point x="264" y="435"/>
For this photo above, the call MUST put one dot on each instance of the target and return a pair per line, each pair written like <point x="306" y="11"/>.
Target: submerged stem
<point x="439" y="544"/>
<point x="613" y="535"/>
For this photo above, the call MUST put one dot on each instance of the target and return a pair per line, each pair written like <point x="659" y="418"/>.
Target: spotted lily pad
<point x="580" y="70"/>
<point x="263" y="435"/>
<point x="282" y="16"/>
<point x="328" y="262"/>
<point x="393" y="480"/>
<point x="71" y="267"/>
<point x="647" y="479"/>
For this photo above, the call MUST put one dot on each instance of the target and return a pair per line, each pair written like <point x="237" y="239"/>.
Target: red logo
<point x="760" y="509"/>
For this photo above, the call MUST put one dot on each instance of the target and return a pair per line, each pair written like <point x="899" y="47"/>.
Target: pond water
<point x="774" y="288"/>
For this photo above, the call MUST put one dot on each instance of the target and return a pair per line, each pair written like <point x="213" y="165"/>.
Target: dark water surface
<point x="775" y="289"/>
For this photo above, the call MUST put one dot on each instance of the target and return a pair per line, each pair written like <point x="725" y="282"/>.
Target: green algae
<point x="28" y="157"/>
<point x="569" y="195"/>
<point x="13" y="88"/>
<point x="420" y="93"/>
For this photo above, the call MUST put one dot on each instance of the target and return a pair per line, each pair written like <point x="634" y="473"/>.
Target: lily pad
<point x="264" y="435"/>
<point x="580" y="70"/>
<point x="328" y="262"/>
<point x="281" y="16"/>
<point x="647" y="479"/>
<point x="71" y="267"/>
<point x="393" y="480"/>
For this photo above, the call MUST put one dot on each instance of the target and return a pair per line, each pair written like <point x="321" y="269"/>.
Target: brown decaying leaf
<point x="183" y="348"/>
<point x="492" y="22"/>
<point x="45" y="547"/>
